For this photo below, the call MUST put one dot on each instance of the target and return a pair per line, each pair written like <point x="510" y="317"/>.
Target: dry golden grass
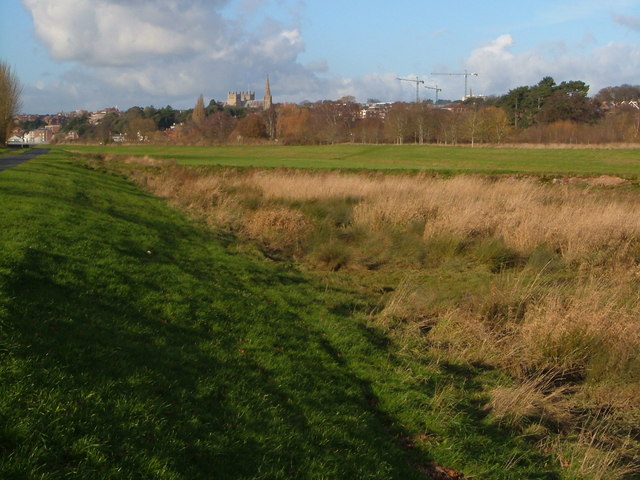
<point x="279" y="228"/>
<point x="523" y="212"/>
<point x="534" y="400"/>
<point x="592" y="329"/>
<point x="598" y="452"/>
<point x="595" y="331"/>
<point x="205" y="196"/>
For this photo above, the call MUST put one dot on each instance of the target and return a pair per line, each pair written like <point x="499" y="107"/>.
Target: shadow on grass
<point x="134" y="345"/>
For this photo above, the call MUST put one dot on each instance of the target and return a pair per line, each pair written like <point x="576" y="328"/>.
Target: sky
<point x="92" y="54"/>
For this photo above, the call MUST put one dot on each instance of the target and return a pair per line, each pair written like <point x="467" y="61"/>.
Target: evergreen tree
<point x="525" y="104"/>
<point x="198" y="111"/>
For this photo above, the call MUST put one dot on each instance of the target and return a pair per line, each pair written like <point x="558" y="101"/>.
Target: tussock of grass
<point x="598" y="452"/>
<point x="534" y="402"/>
<point x="280" y="228"/>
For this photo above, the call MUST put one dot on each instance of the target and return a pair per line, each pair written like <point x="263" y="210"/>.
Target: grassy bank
<point x="584" y="161"/>
<point x="135" y="344"/>
<point x="534" y="279"/>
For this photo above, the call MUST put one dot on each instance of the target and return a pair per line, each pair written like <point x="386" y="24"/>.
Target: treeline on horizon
<point x="543" y="113"/>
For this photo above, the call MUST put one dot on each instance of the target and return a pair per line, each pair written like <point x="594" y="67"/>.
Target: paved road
<point x="9" y="161"/>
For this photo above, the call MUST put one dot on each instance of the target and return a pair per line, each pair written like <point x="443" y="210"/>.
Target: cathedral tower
<point x="268" y="100"/>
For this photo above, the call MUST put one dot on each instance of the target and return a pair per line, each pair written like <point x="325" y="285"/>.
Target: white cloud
<point x="500" y="69"/>
<point x="111" y="32"/>
<point x="280" y="47"/>
<point x="162" y="50"/>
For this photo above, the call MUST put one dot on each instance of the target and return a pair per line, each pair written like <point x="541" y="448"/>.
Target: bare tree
<point x="396" y="122"/>
<point x="10" y="91"/>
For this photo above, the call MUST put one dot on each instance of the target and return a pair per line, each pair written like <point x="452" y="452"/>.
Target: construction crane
<point x="466" y="76"/>
<point x="436" y="89"/>
<point x="417" y="81"/>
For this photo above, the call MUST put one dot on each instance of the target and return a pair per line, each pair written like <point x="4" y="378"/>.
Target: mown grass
<point x="467" y="274"/>
<point x="443" y="159"/>
<point x="9" y="151"/>
<point x="137" y="344"/>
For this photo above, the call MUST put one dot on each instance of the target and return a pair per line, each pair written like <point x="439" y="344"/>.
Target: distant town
<point x="546" y="112"/>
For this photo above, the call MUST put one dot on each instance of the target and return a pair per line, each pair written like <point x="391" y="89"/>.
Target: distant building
<point x="27" y="118"/>
<point x="97" y="117"/>
<point x="611" y="105"/>
<point x="54" y="128"/>
<point x="375" y="110"/>
<point x="248" y="99"/>
<point x="38" y="137"/>
<point x="57" y="119"/>
<point x="240" y="99"/>
<point x="72" y="136"/>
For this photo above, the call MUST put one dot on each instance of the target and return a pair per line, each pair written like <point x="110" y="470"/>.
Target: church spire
<point x="268" y="100"/>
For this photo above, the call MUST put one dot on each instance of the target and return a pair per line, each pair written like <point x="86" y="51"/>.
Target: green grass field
<point x="586" y="161"/>
<point x="8" y="151"/>
<point x="137" y="344"/>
